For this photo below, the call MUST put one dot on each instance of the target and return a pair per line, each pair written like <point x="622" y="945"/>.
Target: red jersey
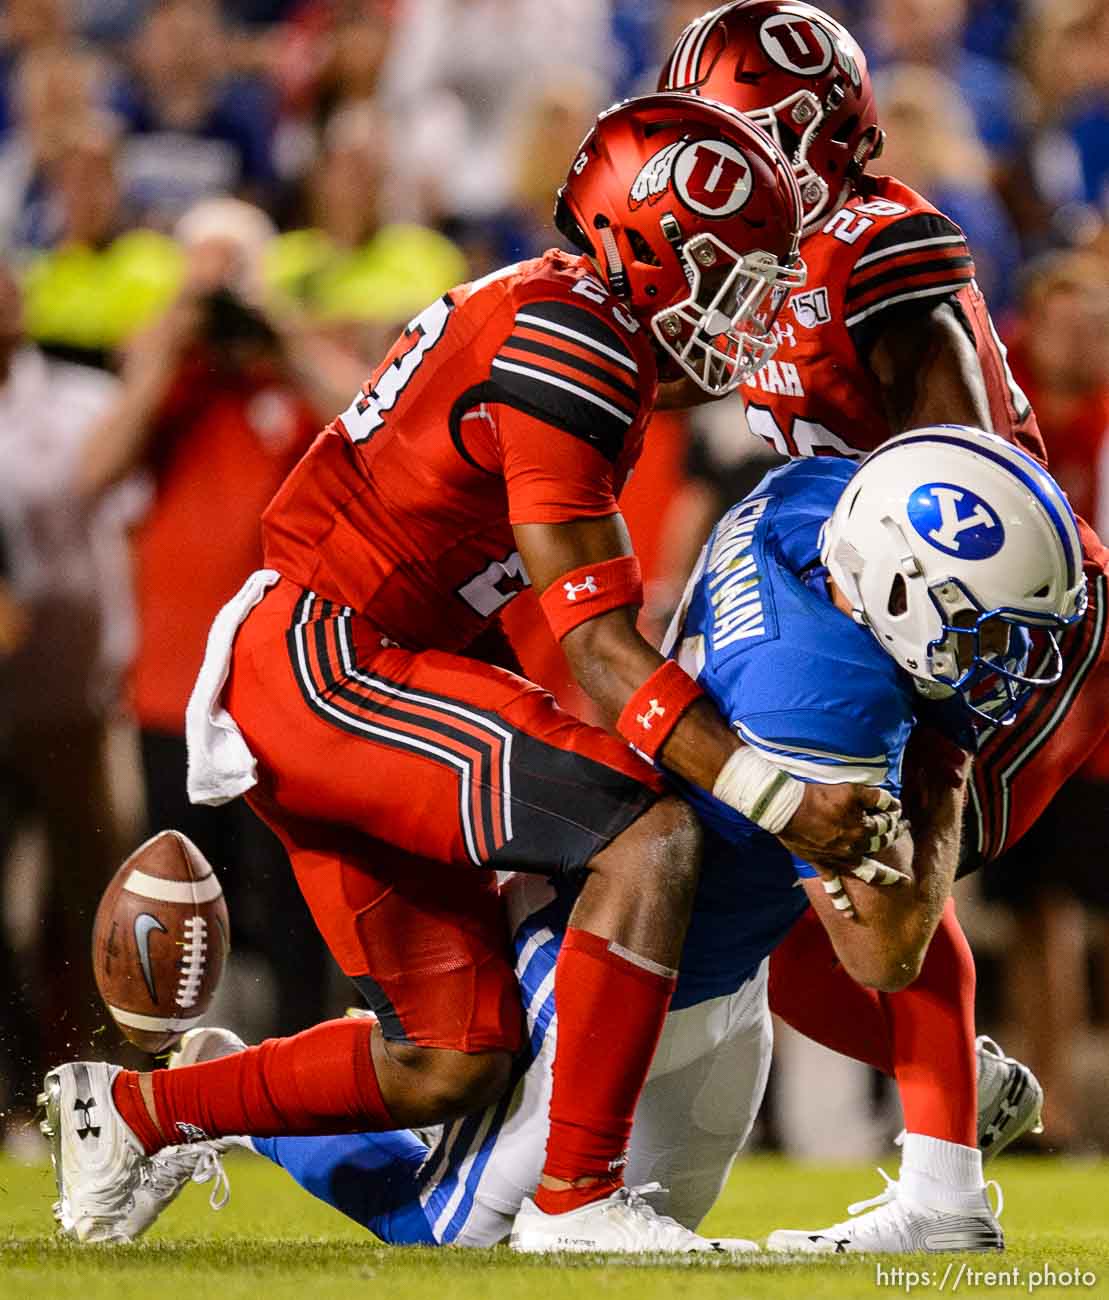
<point x="885" y="254"/>
<point x="521" y="398"/>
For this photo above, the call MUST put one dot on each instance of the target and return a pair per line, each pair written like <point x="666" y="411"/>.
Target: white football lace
<point x="166" y="1172"/>
<point x="887" y="1194"/>
<point x="651" y="1228"/>
<point x="193" y="961"/>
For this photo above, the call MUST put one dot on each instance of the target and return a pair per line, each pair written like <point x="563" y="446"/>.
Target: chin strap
<point x="617" y="276"/>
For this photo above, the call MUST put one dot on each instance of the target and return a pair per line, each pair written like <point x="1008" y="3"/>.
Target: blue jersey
<point x="800" y="682"/>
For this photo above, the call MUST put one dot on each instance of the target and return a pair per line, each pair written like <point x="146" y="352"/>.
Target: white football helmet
<point x="952" y="545"/>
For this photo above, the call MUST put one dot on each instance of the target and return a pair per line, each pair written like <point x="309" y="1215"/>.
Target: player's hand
<point x="838" y="826"/>
<point x="869" y="871"/>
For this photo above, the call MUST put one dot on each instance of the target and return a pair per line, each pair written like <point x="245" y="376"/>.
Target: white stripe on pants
<point x="704" y="1090"/>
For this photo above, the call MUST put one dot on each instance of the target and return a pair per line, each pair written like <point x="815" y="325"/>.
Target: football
<point x="160" y="940"/>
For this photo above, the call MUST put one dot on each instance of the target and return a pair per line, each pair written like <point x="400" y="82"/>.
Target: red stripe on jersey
<point x="887" y="270"/>
<point x="568" y="371"/>
<point x="533" y="335"/>
<point x="372" y="701"/>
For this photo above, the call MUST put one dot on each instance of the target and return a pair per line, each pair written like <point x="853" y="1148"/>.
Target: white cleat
<point x="1010" y="1099"/>
<point x="98" y="1161"/>
<point x="896" y="1226"/>
<point x="205" y="1044"/>
<point x="623" y="1223"/>
<point x="108" y="1189"/>
<point x="169" y="1171"/>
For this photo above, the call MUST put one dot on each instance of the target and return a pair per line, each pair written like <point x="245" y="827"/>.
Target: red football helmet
<point x="798" y="74"/>
<point x="694" y="219"/>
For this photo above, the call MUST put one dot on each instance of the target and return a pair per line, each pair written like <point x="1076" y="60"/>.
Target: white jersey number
<point x="484" y="594"/>
<point x="805" y="437"/>
<point x="366" y="414"/>
<point x="850" y="224"/>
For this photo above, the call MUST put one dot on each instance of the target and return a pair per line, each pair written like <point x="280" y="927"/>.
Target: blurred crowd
<point x="214" y="217"/>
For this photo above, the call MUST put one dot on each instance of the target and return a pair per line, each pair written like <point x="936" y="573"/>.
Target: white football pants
<point x="704" y="1090"/>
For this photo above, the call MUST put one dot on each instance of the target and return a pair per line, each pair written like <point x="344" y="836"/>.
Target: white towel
<point x="221" y="766"/>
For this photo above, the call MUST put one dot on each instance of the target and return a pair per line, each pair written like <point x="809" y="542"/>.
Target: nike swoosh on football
<point x="144" y="925"/>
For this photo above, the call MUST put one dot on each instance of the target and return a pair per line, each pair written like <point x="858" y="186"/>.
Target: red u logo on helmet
<point x="712" y="178"/>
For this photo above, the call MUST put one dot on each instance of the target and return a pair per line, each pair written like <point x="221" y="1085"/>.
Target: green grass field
<point x="274" y="1242"/>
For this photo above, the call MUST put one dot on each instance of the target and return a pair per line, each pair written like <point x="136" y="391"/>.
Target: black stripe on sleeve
<point x="912" y="229"/>
<point x="959" y="268"/>
<point x="568" y="411"/>
<point x="608" y="440"/>
<point x="558" y="317"/>
<point x="554" y="353"/>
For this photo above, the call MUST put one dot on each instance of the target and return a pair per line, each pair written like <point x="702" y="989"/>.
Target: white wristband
<point x="758" y="789"/>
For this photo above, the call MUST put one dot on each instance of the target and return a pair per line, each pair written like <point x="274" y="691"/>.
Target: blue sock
<point x="369" y="1177"/>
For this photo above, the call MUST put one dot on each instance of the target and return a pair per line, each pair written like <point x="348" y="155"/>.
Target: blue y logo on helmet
<point x="956" y="521"/>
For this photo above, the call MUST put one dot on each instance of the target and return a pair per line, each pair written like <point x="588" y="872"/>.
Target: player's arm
<point x="929" y="372"/>
<point x="883" y="941"/>
<point x="565" y="401"/>
<point x="899" y="307"/>
<point x="624" y="674"/>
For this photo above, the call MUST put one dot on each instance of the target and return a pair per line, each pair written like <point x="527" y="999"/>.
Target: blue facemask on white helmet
<point x="961" y="554"/>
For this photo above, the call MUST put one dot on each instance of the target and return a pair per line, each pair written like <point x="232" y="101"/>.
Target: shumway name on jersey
<point x="732" y="578"/>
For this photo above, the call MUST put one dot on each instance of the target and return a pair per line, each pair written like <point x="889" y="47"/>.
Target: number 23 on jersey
<point x="366" y="414"/>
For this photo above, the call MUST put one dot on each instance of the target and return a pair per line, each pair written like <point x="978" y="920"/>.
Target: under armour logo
<point x="86" y="1127"/>
<point x="655" y="711"/>
<point x="956" y="521"/>
<point x="572" y="589"/>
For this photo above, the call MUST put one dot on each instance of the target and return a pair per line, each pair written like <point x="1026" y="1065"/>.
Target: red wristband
<point x="657" y="707"/>
<point x="592" y="589"/>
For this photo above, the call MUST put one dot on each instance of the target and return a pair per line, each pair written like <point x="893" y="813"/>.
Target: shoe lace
<point x="890" y="1191"/>
<point x="655" y="1229"/>
<point x="635" y="1198"/>
<point x="887" y="1194"/>
<point x="984" y="1043"/>
<point x="165" y="1172"/>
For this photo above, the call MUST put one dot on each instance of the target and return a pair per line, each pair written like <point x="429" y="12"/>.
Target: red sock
<point x="922" y="1036"/>
<point x="932" y="1026"/>
<point x="320" y="1081"/>
<point x="130" y="1103"/>
<point x="811" y="991"/>
<point x="610" y="1015"/>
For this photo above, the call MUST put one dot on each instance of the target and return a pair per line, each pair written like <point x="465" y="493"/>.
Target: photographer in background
<point x="212" y="408"/>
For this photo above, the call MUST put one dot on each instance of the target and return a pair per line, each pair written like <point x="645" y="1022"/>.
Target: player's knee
<point x="472" y="1082"/>
<point x="657" y="859"/>
<point x="451" y="1084"/>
